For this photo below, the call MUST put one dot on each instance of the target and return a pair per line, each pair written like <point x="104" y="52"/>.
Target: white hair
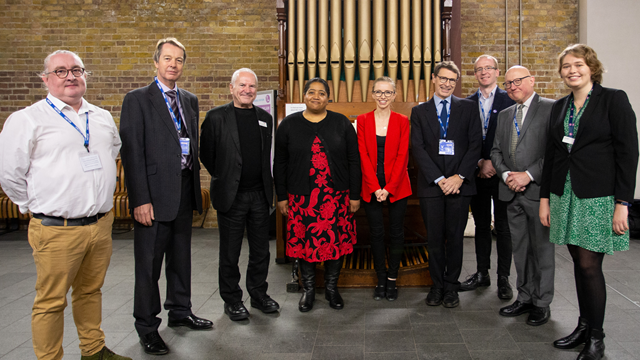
<point x="235" y="75"/>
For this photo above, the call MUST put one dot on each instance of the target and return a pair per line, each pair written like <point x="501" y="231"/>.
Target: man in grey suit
<point x="518" y="155"/>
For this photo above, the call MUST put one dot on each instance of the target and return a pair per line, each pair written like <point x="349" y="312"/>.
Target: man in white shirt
<point x="57" y="160"/>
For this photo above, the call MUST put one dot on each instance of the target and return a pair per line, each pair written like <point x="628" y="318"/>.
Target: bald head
<point x="519" y="83"/>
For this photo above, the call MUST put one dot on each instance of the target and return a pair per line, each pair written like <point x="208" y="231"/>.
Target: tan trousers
<point x="71" y="256"/>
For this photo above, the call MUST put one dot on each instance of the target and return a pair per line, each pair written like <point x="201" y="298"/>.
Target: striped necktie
<point x="514" y="136"/>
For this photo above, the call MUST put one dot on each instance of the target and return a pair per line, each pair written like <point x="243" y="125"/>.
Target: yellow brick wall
<point x="116" y="39"/>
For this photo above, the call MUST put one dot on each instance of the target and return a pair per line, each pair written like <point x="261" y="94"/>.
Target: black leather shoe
<point x="192" y="322"/>
<point x="379" y="292"/>
<point x="434" y="298"/>
<point x="450" y="299"/>
<point x="594" y="348"/>
<point x="539" y="316"/>
<point x="153" y="344"/>
<point x="266" y="304"/>
<point x="504" y="288"/>
<point x="516" y="309"/>
<point x="578" y="337"/>
<point x="392" y="293"/>
<point x="236" y="311"/>
<point x="475" y="280"/>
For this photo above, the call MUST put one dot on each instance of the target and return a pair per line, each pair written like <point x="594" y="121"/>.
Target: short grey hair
<point x="48" y="58"/>
<point x="235" y="75"/>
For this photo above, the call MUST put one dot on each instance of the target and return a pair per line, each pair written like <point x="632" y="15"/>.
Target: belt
<point x="60" y="221"/>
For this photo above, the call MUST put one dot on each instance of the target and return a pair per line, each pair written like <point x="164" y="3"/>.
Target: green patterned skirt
<point x="587" y="223"/>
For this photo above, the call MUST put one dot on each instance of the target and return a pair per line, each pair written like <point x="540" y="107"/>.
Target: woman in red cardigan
<point x="383" y="141"/>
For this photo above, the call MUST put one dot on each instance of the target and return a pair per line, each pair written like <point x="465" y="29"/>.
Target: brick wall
<point x="548" y="26"/>
<point x="116" y="40"/>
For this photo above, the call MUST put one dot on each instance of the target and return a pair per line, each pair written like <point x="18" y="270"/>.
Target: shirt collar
<point x="491" y="94"/>
<point x="165" y="88"/>
<point x="527" y="103"/>
<point x="61" y="104"/>
<point x="438" y="100"/>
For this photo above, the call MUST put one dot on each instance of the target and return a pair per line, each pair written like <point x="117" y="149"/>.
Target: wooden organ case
<point x="350" y="43"/>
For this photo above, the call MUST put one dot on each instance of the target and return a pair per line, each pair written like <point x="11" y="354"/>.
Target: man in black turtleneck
<point x="235" y="148"/>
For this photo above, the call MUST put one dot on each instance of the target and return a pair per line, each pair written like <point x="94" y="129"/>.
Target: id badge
<point x="184" y="145"/>
<point x="445" y="147"/>
<point x="90" y="162"/>
<point x="568" y="140"/>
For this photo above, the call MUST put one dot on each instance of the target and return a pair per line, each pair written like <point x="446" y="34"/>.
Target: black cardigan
<point x="604" y="156"/>
<point x="292" y="162"/>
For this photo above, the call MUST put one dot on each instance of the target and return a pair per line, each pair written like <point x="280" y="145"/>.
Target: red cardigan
<point x="396" y="156"/>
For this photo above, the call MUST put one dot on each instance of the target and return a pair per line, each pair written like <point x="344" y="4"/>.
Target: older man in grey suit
<point x="518" y="155"/>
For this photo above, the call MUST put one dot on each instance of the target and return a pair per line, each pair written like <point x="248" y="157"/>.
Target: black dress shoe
<point x="504" y="288"/>
<point x="192" y="322"/>
<point x="475" y="280"/>
<point x="153" y="344"/>
<point x="516" y="309"/>
<point x="450" y="299"/>
<point x="392" y="293"/>
<point x="539" y="316"/>
<point x="594" y="348"/>
<point x="578" y="337"/>
<point x="266" y="304"/>
<point x="434" y="298"/>
<point x="236" y="311"/>
<point x="379" y="292"/>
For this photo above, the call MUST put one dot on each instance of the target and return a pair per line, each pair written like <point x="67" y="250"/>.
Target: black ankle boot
<point x="331" y="275"/>
<point x="594" y="348"/>
<point x="392" y="290"/>
<point x="579" y="336"/>
<point x="308" y="275"/>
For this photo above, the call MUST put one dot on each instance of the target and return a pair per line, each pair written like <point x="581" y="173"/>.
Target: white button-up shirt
<point x="40" y="167"/>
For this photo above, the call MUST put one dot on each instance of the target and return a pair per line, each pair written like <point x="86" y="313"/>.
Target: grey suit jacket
<point x="529" y="150"/>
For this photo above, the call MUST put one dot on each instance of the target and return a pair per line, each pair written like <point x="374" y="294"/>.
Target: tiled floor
<point x="365" y="329"/>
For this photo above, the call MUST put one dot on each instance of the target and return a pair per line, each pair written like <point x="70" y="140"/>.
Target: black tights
<point x="592" y="293"/>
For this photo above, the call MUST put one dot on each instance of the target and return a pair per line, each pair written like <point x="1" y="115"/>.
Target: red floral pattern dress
<point x="320" y="226"/>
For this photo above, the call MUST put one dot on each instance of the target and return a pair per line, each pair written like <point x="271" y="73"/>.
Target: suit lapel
<point x="531" y="114"/>
<point x="453" y="114"/>
<point x="587" y="117"/>
<point x="232" y="125"/>
<point x="432" y="118"/>
<point x="189" y="116"/>
<point x="155" y="96"/>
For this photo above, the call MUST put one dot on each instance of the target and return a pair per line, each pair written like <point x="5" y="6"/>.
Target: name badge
<point x="90" y="162"/>
<point x="262" y="123"/>
<point x="568" y="140"/>
<point x="184" y="145"/>
<point x="445" y="147"/>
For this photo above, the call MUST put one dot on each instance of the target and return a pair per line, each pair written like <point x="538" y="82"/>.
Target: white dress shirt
<point x="40" y="167"/>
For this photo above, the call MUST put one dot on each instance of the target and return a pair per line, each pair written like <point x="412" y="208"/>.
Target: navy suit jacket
<point x="501" y="101"/>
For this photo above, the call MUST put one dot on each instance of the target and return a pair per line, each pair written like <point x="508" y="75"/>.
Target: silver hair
<point x="235" y="75"/>
<point x="48" y="58"/>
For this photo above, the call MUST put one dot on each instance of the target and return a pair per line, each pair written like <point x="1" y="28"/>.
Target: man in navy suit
<point x="446" y="139"/>
<point x="159" y="131"/>
<point x="491" y="100"/>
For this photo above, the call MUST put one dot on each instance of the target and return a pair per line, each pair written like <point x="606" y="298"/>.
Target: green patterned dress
<point x="587" y="223"/>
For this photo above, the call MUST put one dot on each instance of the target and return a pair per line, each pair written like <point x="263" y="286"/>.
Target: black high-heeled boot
<point x="594" y="348"/>
<point x="331" y="275"/>
<point x="308" y="276"/>
<point x="578" y="337"/>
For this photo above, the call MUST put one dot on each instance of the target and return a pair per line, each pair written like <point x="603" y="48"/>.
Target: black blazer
<point x="501" y="101"/>
<point x="293" y="154"/>
<point x="221" y="156"/>
<point x="604" y="156"/>
<point x="464" y="130"/>
<point x="151" y="153"/>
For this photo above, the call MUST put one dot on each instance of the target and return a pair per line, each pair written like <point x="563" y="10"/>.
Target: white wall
<point x="612" y="29"/>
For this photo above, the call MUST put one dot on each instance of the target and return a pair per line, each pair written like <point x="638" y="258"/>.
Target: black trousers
<point x="481" y="209"/>
<point x="445" y="218"/>
<point x="170" y="240"/>
<point x="397" y="209"/>
<point x="250" y="209"/>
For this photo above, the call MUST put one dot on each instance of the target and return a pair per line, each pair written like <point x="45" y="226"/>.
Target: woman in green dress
<point x="588" y="181"/>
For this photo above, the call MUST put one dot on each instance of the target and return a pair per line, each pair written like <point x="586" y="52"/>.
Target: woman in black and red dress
<point x="317" y="177"/>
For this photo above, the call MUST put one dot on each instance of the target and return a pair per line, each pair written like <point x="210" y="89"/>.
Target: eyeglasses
<point x="516" y="82"/>
<point x="379" y="93"/>
<point x="443" y="80"/>
<point x="63" y="73"/>
<point x="486" y="68"/>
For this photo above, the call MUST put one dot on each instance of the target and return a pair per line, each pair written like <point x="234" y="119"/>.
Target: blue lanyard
<point x="485" y="120"/>
<point x="572" y="109"/>
<point x="86" y="138"/>
<point x="173" y="116"/>
<point x="445" y="126"/>
<point x="515" y="122"/>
